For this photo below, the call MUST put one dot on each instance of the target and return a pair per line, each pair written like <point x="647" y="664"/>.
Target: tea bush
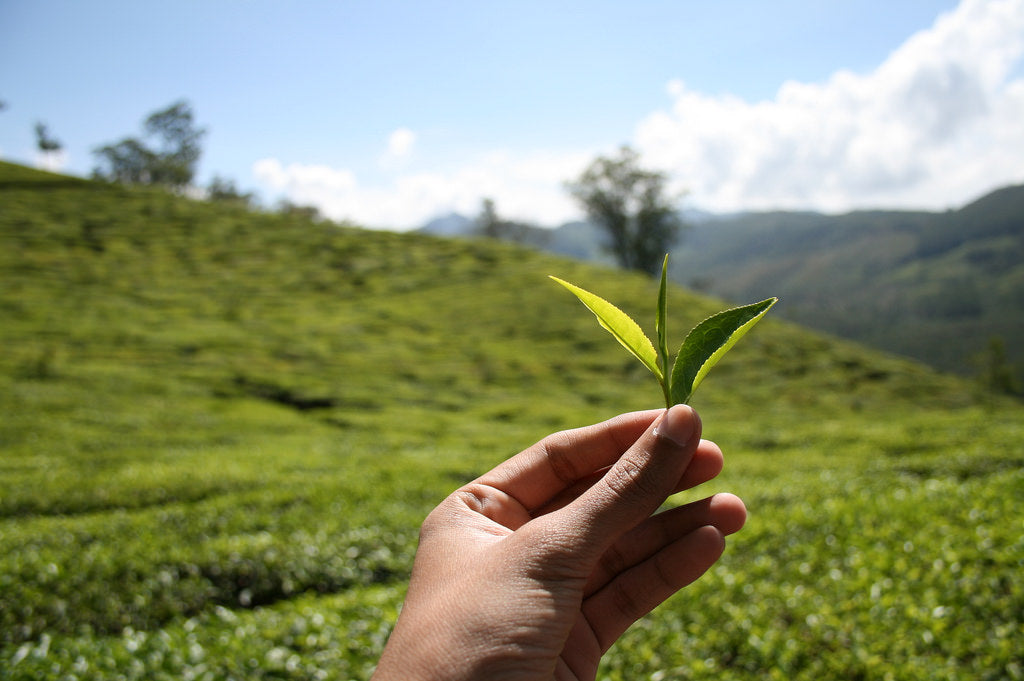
<point x="221" y="429"/>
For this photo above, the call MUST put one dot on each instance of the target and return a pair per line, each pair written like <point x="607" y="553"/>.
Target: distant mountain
<point x="580" y="240"/>
<point x="935" y="286"/>
<point x="452" y="224"/>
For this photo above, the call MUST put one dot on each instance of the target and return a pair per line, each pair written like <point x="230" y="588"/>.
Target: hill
<point x="221" y="430"/>
<point x="934" y="286"/>
<point x="937" y="287"/>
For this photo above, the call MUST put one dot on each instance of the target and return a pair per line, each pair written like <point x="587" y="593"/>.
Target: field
<point x="221" y="429"/>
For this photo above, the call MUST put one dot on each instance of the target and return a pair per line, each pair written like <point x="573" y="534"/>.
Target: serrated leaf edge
<point x="651" y="361"/>
<point x="709" y="363"/>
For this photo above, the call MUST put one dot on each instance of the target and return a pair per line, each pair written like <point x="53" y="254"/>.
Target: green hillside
<point x="934" y="286"/>
<point x="221" y="429"/>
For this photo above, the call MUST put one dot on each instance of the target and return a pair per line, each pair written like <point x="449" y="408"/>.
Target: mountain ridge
<point x="937" y="286"/>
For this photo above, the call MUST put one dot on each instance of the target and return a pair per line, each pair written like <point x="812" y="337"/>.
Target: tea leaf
<point x="708" y="342"/>
<point x="660" y="328"/>
<point x="620" y="325"/>
<point x="704" y="346"/>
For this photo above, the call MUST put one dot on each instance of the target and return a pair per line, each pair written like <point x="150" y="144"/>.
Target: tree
<point x="287" y="207"/>
<point x="224" y="190"/>
<point x="128" y="162"/>
<point x="50" y="157"/>
<point x="489" y="224"/>
<point x="44" y="142"/>
<point x="631" y="205"/>
<point x="998" y="375"/>
<point x="170" y="161"/>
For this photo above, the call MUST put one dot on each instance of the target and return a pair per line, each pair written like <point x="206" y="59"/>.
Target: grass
<point x="221" y="430"/>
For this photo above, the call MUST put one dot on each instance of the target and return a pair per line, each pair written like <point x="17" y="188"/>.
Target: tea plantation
<point x="220" y="430"/>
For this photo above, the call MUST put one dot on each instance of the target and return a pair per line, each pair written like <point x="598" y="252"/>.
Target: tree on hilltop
<point x="44" y="142"/>
<point x="167" y="155"/>
<point x="490" y="225"/>
<point x="290" y="208"/>
<point x="49" y="148"/>
<point x="631" y="205"/>
<point x="224" y="190"/>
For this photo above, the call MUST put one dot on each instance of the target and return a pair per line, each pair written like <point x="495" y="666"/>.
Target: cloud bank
<point x="400" y="147"/>
<point x="525" y="186"/>
<point x="936" y="124"/>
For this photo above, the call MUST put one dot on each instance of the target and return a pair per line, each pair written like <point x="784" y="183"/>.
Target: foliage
<point x="169" y="159"/>
<point x="222" y="428"/>
<point x="629" y="203"/>
<point x="701" y="350"/>
<point x="996" y="374"/>
<point x="708" y="342"/>
<point x="45" y="142"/>
<point x="292" y="209"/>
<point x="224" y="189"/>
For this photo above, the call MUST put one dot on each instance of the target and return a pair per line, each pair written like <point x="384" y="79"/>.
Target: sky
<point x="390" y="113"/>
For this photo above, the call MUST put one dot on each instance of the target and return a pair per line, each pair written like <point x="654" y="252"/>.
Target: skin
<point x="535" y="569"/>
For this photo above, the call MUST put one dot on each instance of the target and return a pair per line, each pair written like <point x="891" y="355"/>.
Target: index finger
<point x="539" y="473"/>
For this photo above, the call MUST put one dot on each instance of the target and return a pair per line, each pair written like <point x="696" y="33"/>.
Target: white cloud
<point x="525" y="186"/>
<point x="934" y="125"/>
<point x="305" y="184"/>
<point x="400" y="142"/>
<point x="399" y="149"/>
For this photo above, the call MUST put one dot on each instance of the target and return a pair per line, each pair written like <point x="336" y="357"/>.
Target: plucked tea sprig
<point x="702" y="349"/>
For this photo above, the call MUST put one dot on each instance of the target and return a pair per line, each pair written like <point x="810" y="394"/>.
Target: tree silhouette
<point x="170" y="162"/>
<point x="631" y="205"/>
<point x="44" y="142"/>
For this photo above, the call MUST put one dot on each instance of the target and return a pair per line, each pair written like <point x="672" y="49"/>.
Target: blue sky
<point x="389" y="113"/>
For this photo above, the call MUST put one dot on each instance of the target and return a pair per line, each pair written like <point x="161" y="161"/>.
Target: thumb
<point x="635" y="485"/>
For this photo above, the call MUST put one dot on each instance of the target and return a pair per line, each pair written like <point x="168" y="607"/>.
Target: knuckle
<point x="562" y="463"/>
<point x="628" y="480"/>
<point x="623" y="477"/>
<point x="613" y="561"/>
<point x="445" y="514"/>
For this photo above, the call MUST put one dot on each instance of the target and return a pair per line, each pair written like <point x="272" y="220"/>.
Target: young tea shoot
<point x="702" y="349"/>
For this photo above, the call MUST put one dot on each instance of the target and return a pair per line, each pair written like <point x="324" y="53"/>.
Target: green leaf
<point x="660" y="327"/>
<point x="620" y="325"/>
<point x="708" y="342"/>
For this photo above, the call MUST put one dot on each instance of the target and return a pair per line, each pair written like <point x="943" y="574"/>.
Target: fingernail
<point x="678" y="424"/>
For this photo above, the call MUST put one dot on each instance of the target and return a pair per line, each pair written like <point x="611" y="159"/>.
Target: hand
<point x="534" y="570"/>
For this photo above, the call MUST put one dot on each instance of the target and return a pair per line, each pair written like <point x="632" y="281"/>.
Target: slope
<point x="222" y="428"/>
<point x="934" y="286"/>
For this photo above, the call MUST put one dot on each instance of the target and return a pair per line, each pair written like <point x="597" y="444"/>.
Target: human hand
<point x="535" y="569"/>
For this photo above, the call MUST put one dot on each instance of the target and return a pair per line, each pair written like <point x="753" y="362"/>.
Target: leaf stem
<point x="661" y="321"/>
